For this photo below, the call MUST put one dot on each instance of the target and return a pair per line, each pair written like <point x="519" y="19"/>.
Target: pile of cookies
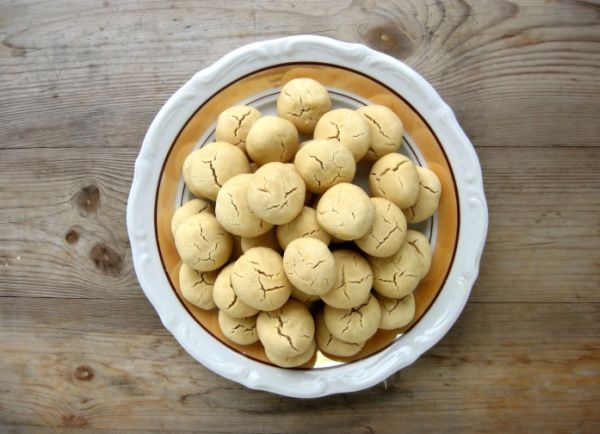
<point x="285" y="246"/>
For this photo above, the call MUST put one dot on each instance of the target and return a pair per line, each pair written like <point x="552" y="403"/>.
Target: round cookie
<point x="208" y="168"/>
<point x="304" y="225"/>
<point x="259" y="281"/>
<point x="353" y="281"/>
<point x="202" y="243"/>
<point x="268" y="239"/>
<point x="388" y="231"/>
<point x="323" y="164"/>
<point x="398" y="275"/>
<point x="332" y="345"/>
<point x="303" y="101"/>
<point x="396" y="312"/>
<point x="242" y="331"/>
<point x="194" y="206"/>
<point x="272" y="139"/>
<point x="354" y="325"/>
<point x="288" y="331"/>
<point x="233" y="212"/>
<point x="197" y="287"/>
<point x="293" y="361"/>
<point x="234" y="123"/>
<point x="309" y="265"/>
<point x="345" y="211"/>
<point x="430" y="190"/>
<point x="347" y="127"/>
<point x="385" y="129"/>
<point x="303" y="296"/>
<point x="226" y="299"/>
<point x="418" y="243"/>
<point x="395" y="178"/>
<point x="276" y="193"/>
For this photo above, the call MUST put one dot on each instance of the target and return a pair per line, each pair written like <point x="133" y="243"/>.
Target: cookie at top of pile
<point x="276" y="193"/>
<point x="242" y="331"/>
<point x="395" y="178"/>
<point x="398" y="275"/>
<point x="323" y="164"/>
<point x="356" y="324"/>
<point x="272" y="139"/>
<point x="396" y="312"/>
<point x="388" y="231"/>
<point x="345" y="211"/>
<point x="309" y="265"/>
<point x="430" y="190"/>
<point x="259" y="281"/>
<point x="268" y="239"/>
<point x="353" y="280"/>
<point x="303" y="101"/>
<point x="197" y="286"/>
<point x="233" y="212"/>
<point x="385" y="129"/>
<point x="304" y="225"/>
<point x="234" y="123"/>
<point x="208" y="168"/>
<point x="225" y="297"/>
<point x="202" y="243"/>
<point x="332" y="345"/>
<point x="188" y="209"/>
<point x="417" y="242"/>
<point x="346" y="127"/>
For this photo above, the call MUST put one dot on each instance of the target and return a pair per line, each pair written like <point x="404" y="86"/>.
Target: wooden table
<point x="81" y="349"/>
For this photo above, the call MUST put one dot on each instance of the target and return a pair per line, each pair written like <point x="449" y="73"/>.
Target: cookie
<point x="268" y="239"/>
<point x="234" y="123"/>
<point x="418" y="243"/>
<point x="353" y="281"/>
<point x="226" y="299"/>
<point x="304" y="225"/>
<point x="302" y="296"/>
<point x="387" y="232"/>
<point x="303" y="101"/>
<point x="272" y="139"/>
<point x="398" y="275"/>
<point x="346" y="127"/>
<point x="332" y="345"/>
<point x="293" y="361"/>
<point x="395" y="178"/>
<point x="354" y="325"/>
<point x="194" y="206"/>
<point x="430" y="190"/>
<point x="385" y="130"/>
<point x="396" y="312"/>
<point x="241" y="331"/>
<point x="309" y="265"/>
<point x="197" y="287"/>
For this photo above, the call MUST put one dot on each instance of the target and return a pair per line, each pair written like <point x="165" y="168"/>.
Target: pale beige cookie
<point x="388" y="231"/>
<point x="396" y="312"/>
<point x="395" y="178"/>
<point x="259" y="281"/>
<point x="226" y="299"/>
<point x="293" y="361"/>
<point x="430" y="190"/>
<point x="303" y="296"/>
<point x="272" y="139"/>
<point x="398" y="275"/>
<point x="385" y="129"/>
<point x="268" y="239"/>
<point x="194" y="206"/>
<point x="323" y="164"/>
<point x="354" y="325"/>
<point x="345" y="211"/>
<point x="309" y="265"/>
<point x="234" y="123"/>
<point x="208" y="168"/>
<point x="304" y="225"/>
<point x="276" y="193"/>
<point x="288" y="331"/>
<point x="303" y="101"/>
<point x="422" y="250"/>
<point x="242" y="331"/>
<point x="332" y="345"/>
<point x="197" y="287"/>
<point x="202" y="243"/>
<point x="347" y="127"/>
<point x="353" y="281"/>
<point x="233" y="212"/>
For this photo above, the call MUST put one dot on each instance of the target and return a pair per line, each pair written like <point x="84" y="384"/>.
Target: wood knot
<point x="87" y="200"/>
<point x="84" y="373"/>
<point x="388" y="39"/>
<point x="106" y="259"/>
<point x="72" y="420"/>
<point x="72" y="236"/>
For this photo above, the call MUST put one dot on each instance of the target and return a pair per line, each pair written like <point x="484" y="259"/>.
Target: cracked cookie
<point x="197" y="287"/>
<point x="388" y="231"/>
<point x="345" y="211"/>
<point x="418" y="243"/>
<point x="323" y="164"/>
<point x="276" y="193"/>
<point x="395" y="178"/>
<point x="304" y="225"/>
<point x="208" y="168"/>
<point x="346" y="127"/>
<point x="226" y="299"/>
<point x="303" y="101"/>
<point x="242" y="331"/>
<point x="354" y="325"/>
<point x="259" y="281"/>
<point x="385" y="129"/>
<point x="396" y="312"/>
<point x="194" y="206"/>
<point x="202" y="243"/>
<point x="309" y="265"/>
<point x="398" y="275"/>
<point x="268" y="239"/>
<point x="430" y="190"/>
<point x="272" y="139"/>
<point x="234" y="123"/>
<point x="288" y="331"/>
<point x="293" y="361"/>
<point x="233" y="212"/>
<point x="353" y="280"/>
<point x="332" y="345"/>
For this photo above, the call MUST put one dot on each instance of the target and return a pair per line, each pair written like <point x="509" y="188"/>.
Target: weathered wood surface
<point x="82" y="350"/>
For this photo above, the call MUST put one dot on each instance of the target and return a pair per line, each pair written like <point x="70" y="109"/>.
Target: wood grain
<point x="82" y="349"/>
